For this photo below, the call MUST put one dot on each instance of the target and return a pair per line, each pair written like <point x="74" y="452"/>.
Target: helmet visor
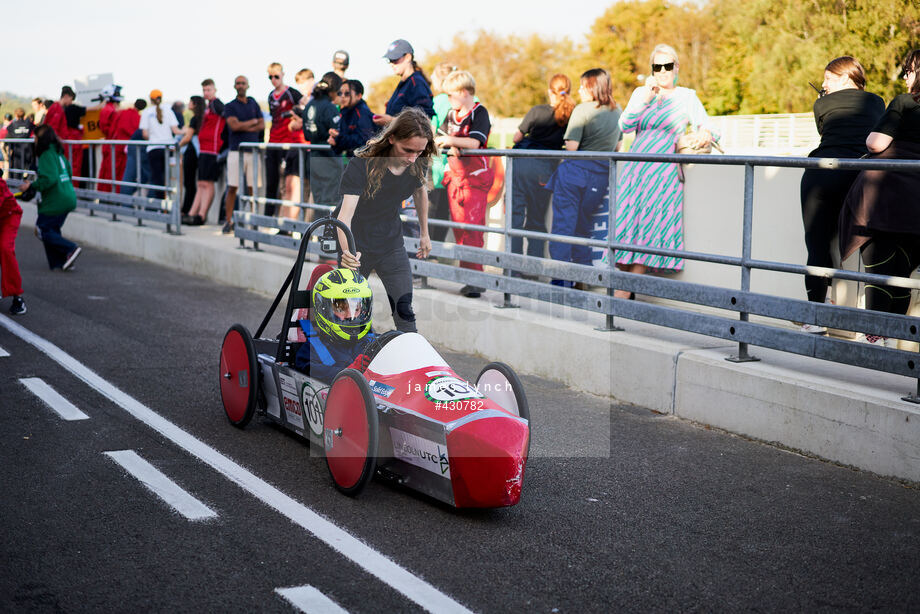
<point x="350" y="311"/>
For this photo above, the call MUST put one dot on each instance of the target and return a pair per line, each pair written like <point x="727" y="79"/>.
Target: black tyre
<point x="501" y="384"/>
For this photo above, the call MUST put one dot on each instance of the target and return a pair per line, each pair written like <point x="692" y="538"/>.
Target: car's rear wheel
<point x="350" y="431"/>
<point x="501" y="384"/>
<point x="239" y="379"/>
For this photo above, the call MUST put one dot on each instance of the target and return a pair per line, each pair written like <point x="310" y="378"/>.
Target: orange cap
<point x="155" y="94"/>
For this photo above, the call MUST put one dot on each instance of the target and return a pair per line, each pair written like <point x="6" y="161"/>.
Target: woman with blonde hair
<point x="393" y="166"/>
<point x="650" y="195"/>
<point x="542" y="128"/>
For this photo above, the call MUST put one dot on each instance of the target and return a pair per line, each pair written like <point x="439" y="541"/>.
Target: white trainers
<point x="72" y="257"/>
<point x="814" y="329"/>
<point x="878" y="340"/>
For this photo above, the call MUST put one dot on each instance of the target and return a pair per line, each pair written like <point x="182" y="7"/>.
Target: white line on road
<point x="3" y="353"/>
<point x="61" y="406"/>
<point x="349" y="546"/>
<point x="309" y="600"/>
<point x="160" y="485"/>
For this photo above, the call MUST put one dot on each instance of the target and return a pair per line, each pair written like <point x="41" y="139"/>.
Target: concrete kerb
<point x="844" y="414"/>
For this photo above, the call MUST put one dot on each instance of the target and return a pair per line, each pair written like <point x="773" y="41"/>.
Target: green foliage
<point x="9" y="102"/>
<point x="770" y="49"/>
<point x="511" y="72"/>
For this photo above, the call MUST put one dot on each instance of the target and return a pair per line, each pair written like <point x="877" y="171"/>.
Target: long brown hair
<point x="561" y="86"/>
<point x="597" y="81"/>
<point x="912" y="62"/>
<point x="849" y="66"/>
<point x="157" y="102"/>
<point x="411" y="122"/>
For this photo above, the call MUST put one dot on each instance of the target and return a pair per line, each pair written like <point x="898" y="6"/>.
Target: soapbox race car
<point x="408" y="417"/>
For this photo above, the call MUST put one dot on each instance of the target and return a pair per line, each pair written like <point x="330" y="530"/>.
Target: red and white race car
<point x="408" y="417"/>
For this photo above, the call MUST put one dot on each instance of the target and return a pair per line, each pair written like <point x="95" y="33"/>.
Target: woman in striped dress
<point x="650" y="195"/>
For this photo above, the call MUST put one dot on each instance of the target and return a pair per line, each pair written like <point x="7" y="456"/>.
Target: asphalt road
<point x="622" y="509"/>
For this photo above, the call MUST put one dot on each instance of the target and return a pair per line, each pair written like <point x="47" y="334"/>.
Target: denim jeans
<point x="57" y="248"/>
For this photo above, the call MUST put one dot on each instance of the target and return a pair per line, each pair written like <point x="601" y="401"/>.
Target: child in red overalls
<point x="10" y="279"/>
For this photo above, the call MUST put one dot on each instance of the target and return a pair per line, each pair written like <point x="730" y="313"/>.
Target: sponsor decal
<point x="420" y="452"/>
<point x="314" y="404"/>
<point x="351" y="290"/>
<point x="290" y="400"/>
<point x="449" y="388"/>
<point x="381" y="389"/>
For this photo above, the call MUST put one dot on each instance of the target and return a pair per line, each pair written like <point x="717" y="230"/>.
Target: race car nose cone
<point x="487" y="459"/>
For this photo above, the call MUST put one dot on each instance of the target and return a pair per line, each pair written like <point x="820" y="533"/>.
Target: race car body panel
<point x="438" y="433"/>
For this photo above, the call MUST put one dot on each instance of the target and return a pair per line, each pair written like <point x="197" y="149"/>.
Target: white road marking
<point x="156" y="481"/>
<point x="309" y="600"/>
<point x="61" y="406"/>
<point x="349" y="546"/>
<point x="3" y="353"/>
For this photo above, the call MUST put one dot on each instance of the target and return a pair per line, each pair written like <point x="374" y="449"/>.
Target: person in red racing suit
<point x="10" y="278"/>
<point x="107" y="117"/>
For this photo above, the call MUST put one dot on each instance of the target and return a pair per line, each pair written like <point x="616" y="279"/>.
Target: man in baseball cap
<point x="340" y="62"/>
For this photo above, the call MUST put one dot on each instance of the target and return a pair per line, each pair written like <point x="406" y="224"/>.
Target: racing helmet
<point x="342" y="302"/>
<point x="111" y="92"/>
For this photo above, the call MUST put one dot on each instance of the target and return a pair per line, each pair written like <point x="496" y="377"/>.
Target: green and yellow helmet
<point x="342" y="302"/>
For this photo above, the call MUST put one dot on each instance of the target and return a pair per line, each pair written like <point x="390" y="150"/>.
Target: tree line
<point x="756" y="56"/>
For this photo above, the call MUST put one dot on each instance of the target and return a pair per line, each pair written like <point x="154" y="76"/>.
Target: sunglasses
<point x="397" y="60"/>
<point x="659" y="67"/>
<point x="274" y="76"/>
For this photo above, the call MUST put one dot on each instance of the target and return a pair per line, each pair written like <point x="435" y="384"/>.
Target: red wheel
<point x="239" y="375"/>
<point x="350" y="428"/>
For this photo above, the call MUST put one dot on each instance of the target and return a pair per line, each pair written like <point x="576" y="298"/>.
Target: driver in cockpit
<point x="339" y="329"/>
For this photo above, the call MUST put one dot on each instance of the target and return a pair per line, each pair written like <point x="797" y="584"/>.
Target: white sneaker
<point x="814" y="329"/>
<point x="878" y="340"/>
<point x="72" y="257"/>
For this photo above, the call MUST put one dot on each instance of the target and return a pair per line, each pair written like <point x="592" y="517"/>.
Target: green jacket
<point x="54" y="183"/>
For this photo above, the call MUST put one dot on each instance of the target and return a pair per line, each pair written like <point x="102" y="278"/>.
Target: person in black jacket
<point x="319" y="117"/>
<point x="844" y="114"/>
<point x="355" y="127"/>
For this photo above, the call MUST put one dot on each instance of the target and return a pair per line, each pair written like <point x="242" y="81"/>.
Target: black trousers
<point x="822" y="194"/>
<point x="891" y="254"/>
<point x="438" y="209"/>
<point x="189" y="178"/>
<point x="392" y="267"/>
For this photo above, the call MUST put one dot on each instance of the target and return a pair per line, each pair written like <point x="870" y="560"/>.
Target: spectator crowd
<point x="660" y="116"/>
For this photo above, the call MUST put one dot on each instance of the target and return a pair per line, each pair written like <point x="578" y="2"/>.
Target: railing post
<point x="177" y="202"/>
<point x="747" y="224"/>
<point x="257" y="154"/>
<point x="508" y="205"/>
<point x="609" y="326"/>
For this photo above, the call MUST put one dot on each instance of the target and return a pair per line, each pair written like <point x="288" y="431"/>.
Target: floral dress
<point x="650" y="195"/>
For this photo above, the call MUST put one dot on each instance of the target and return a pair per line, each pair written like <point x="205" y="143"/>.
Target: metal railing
<point x="742" y="302"/>
<point x="134" y="199"/>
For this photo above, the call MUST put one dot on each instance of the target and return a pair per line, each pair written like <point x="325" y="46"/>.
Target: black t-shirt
<point x="539" y="127"/>
<point x="194" y="124"/>
<point x="901" y="120"/>
<point x="844" y="119"/>
<point x="376" y="224"/>
<point x="319" y="116"/>
<point x="73" y="113"/>
<point x="20" y="129"/>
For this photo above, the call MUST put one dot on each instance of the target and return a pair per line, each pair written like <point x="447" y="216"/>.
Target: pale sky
<point x="173" y="45"/>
